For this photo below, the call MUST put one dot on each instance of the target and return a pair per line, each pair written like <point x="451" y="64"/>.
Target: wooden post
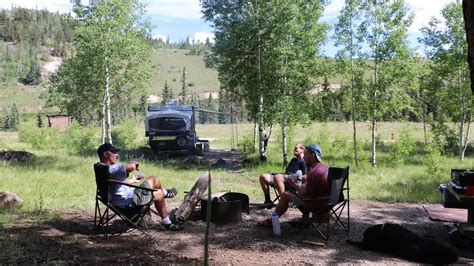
<point x="192" y="199"/>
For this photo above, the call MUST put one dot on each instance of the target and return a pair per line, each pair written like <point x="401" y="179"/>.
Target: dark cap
<point x="106" y="147"/>
<point x="316" y="150"/>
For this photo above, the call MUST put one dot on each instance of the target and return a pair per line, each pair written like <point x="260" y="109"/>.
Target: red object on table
<point x="470" y="191"/>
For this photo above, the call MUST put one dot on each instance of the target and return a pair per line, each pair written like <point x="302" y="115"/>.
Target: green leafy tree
<point x="211" y="105"/>
<point x="39" y="120"/>
<point x="167" y="93"/>
<point x="384" y="29"/>
<point x="110" y="64"/>
<point x="447" y="48"/>
<point x="184" y="89"/>
<point x="272" y="68"/>
<point x="12" y="119"/>
<point x="349" y="39"/>
<point x="33" y="77"/>
<point x="223" y="108"/>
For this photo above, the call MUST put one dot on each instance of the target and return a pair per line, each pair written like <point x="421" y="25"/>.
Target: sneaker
<point x="267" y="202"/>
<point x="173" y="227"/>
<point x="172" y="192"/>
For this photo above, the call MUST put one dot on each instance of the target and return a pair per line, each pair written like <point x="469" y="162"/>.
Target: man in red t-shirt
<point x="316" y="185"/>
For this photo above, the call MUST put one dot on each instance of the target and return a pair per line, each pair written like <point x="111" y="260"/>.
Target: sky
<point x="178" y="19"/>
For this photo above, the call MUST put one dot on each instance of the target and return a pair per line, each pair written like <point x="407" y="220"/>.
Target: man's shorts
<point x="272" y="178"/>
<point x="141" y="196"/>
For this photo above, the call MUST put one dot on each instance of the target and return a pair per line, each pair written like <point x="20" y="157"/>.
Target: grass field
<point x="57" y="180"/>
<point x="169" y="64"/>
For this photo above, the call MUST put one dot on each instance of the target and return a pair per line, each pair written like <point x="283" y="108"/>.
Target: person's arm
<point x="131" y="166"/>
<point x="303" y="177"/>
<point x="302" y="166"/>
<point x="300" y="189"/>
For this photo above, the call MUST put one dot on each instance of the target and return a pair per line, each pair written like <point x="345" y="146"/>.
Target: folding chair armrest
<point x="130" y="185"/>
<point x="313" y="199"/>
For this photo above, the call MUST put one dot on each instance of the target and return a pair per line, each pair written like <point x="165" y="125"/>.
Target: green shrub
<point x="42" y="138"/>
<point x="81" y="140"/>
<point x="342" y="148"/>
<point x="246" y="145"/>
<point x="432" y="159"/>
<point x="446" y="137"/>
<point x="124" y="134"/>
<point x="403" y="147"/>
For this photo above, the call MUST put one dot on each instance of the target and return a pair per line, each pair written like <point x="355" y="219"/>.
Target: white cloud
<point x="183" y="9"/>
<point x="424" y="10"/>
<point x="332" y="10"/>
<point x="202" y="36"/>
<point x="160" y="37"/>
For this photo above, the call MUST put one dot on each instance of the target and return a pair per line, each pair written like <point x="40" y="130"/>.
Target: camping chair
<point x="336" y="202"/>
<point x="133" y="215"/>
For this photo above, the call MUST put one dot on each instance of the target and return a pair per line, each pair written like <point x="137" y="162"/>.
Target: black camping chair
<point x="334" y="204"/>
<point x="135" y="216"/>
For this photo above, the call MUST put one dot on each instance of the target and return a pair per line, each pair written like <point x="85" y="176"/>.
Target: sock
<point x="166" y="220"/>
<point x="165" y="192"/>
<point x="267" y="197"/>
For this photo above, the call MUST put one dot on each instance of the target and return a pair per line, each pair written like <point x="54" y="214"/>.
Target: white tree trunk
<point x="374" y="128"/>
<point x="254" y="135"/>
<point x="262" y="134"/>
<point x="103" y="118"/>
<point x="353" y="112"/>
<point x="464" y="137"/>
<point x="284" y="147"/>
<point x="461" y="124"/>
<point x="108" y="120"/>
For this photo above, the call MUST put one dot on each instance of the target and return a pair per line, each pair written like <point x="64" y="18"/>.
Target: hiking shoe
<point x="268" y="204"/>
<point x="172" y="192"/>
<point x="173" y="227"/>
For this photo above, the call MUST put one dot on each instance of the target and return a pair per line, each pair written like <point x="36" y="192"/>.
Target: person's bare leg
<point x="264" y="182"/>
<point x="282" y="207"/>
<point x="285" y="199"/>
<point x="154" y="182"/>
<point x="159" y="197"/>
<point x="279" y="181"/>
<point x="160" y="204"/>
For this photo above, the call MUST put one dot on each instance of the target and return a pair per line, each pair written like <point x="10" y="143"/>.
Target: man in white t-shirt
<point x="123" y="195"/>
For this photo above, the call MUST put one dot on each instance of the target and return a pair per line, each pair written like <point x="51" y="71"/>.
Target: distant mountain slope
<point x="169" y="64"/>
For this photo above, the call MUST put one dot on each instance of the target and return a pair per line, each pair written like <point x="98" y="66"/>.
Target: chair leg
<point x="97" y="210"/>
<point x="137" y="224"/>
<point x="324" y="236"/>
<point x="277" y="195"/>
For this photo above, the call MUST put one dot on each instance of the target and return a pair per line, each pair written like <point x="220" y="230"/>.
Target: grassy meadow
<point x="58" y="179"/>
<point x="168" y="66"/>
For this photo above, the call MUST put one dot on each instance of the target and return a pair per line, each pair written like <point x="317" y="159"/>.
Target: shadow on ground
<point x="72" y="240"/>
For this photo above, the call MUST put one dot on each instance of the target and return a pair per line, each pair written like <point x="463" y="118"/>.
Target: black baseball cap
<point x="106" y="147"/>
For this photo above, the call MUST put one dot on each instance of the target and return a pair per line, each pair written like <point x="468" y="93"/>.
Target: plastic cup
<point x="139" y="175"/>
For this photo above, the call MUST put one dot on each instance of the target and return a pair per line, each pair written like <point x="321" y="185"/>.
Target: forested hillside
<point x="27" y="38"/>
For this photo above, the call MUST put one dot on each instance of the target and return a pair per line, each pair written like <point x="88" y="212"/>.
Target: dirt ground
<point x="72" y="240"/>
